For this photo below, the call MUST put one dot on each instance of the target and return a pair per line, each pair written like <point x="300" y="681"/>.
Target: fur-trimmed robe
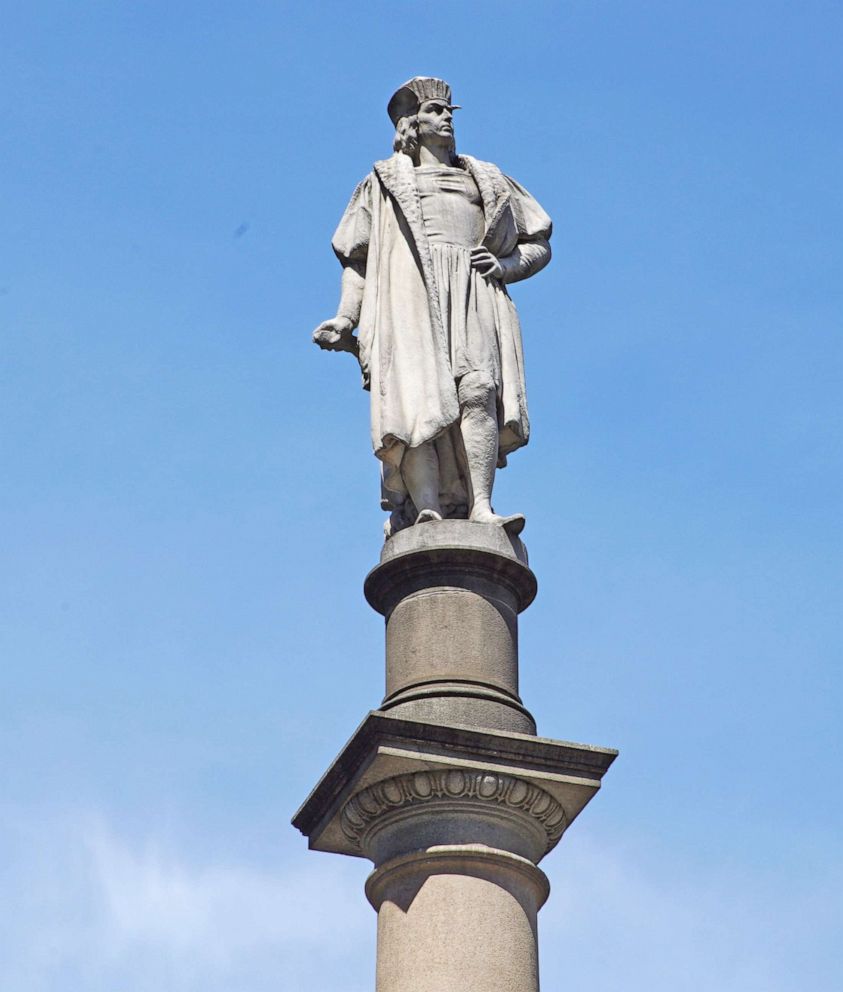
<point x="403" y="343"/>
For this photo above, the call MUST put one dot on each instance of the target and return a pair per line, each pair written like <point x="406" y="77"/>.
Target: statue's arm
<point x="350" y="244"/>
<point x="532" y="252"/>
<point x="336" y="333"/>
<point x="528" y="258"/>
<point x="351" y="292"/>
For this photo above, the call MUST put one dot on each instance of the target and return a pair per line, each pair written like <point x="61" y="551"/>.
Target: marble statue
<point x="428" y="245"/>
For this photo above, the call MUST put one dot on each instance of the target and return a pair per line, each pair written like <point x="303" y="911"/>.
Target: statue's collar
<point x="397" y="174"/>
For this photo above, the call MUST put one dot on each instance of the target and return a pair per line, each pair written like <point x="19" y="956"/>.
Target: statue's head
<point x="422" y="113"/>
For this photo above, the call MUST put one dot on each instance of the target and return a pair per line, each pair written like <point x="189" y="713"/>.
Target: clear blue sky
<point x="189" y="501"/>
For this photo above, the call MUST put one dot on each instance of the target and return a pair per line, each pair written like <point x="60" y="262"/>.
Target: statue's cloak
<point x="403" y="346"/>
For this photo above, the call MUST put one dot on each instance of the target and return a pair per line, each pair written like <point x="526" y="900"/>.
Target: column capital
<point x="390" y="764"/>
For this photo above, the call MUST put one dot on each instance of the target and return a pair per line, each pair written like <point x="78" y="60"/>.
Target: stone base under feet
<point x="450" y="592"/>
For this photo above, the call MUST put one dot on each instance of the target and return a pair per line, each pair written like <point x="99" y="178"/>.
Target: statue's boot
<point x="513" y="524"/>
<point x="426" y="515"/>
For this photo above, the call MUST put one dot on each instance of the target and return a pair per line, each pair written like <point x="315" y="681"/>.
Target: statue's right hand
<point x="336" y="335"/>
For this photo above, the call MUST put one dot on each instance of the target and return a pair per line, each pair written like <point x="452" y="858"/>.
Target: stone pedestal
<point x="451" y="594"/>
<point x="446" y="788"/>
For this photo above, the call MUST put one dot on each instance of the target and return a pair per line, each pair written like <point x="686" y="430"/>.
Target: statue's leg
<point x="420" y="471"/>
<point x="479" y="427"/>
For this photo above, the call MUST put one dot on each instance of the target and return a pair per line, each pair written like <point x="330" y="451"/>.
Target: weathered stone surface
<point x="447" y="789"/>
<point x="467" y="554"/>
<point x="386" y="748"/>
<point x="455" y="820"/>
<point x="419" y="810"/>
<point x="452" y="533"/>
<point x="451" y="592"/>
<point x="457" y="918"/>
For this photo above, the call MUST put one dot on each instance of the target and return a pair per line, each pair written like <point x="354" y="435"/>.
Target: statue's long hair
<point x="406" y="138"/>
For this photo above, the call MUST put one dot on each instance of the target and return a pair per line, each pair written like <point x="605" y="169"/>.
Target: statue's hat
<point x="408" y="98"/>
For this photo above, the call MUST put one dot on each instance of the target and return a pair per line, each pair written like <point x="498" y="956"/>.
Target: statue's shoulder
<point x="490" y="181"/>
<point x="351" y="237"/>
<point x="496" y="186"/>
<point x="362" y="194"/>
<point x="397" y="176"/>
<point x="398" y="168"/>
<point x="364" y="184"/>
<point x="478" y="165"/>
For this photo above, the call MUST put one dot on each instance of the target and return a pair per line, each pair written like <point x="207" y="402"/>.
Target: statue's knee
<point x="475" y="389"/>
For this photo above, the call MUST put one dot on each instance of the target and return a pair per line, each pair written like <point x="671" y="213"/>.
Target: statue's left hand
<point x="486" y="263"/>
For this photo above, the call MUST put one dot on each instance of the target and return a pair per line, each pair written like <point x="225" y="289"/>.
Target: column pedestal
<point x="446" y="788"/>
<point x="451" y="594"/>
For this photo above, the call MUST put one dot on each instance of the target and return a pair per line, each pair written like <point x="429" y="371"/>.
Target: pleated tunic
<point x="452" y="212"/>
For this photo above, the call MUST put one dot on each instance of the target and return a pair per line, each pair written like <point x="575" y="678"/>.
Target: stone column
<point x="455" y="885"/>
<point x="457" y="918"/>
<point x="446" y="788"/>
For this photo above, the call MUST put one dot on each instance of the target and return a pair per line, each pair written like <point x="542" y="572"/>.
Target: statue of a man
<point x="428" y="244"/>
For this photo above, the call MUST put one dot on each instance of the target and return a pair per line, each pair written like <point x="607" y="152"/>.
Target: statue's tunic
<point x="427" y="318"/>
<point x="452" y="211"/>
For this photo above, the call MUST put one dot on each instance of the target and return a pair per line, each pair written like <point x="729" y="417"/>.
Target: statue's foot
<point x="396" y="521"/>
<point x="427" y="515"/>
<point x="513" y="524"/>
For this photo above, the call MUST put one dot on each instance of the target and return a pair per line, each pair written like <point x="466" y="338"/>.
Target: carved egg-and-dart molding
<point x="424" y="787"/>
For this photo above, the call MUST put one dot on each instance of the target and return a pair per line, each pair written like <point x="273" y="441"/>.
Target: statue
<point x="428" y="244"/>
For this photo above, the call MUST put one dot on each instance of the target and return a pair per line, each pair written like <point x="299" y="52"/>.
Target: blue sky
<point x="189" y="500"/>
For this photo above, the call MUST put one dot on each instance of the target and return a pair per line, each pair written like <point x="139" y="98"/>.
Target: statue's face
<point x="436" y="123"/>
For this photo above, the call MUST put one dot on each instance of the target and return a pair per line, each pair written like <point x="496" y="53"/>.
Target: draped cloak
<point x="403" y="334"/>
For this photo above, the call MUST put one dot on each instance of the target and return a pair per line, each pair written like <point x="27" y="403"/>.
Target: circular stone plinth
<point x="454" y="534"/>
<point x="456" y="553"/>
